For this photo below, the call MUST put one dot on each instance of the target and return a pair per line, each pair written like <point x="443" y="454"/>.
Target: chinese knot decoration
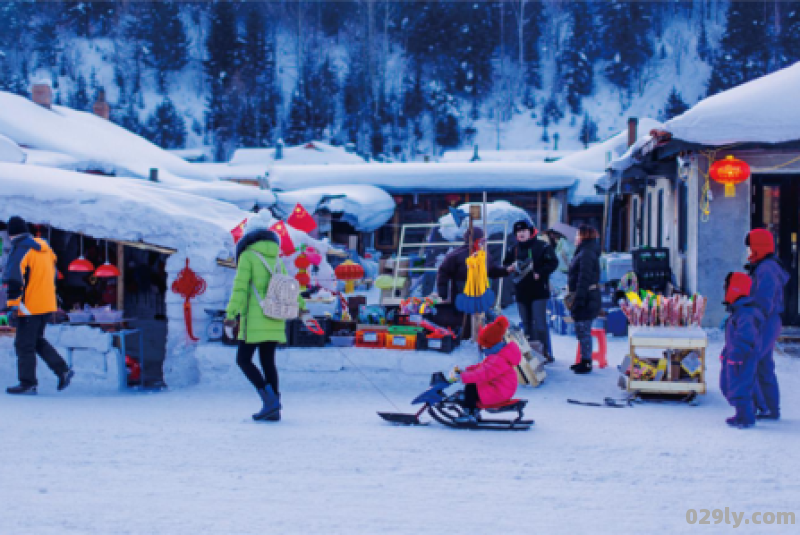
<point x="730" y="172"/>
<point x="189" y="285"/>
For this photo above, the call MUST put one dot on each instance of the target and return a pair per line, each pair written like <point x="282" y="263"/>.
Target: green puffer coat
<point x="254" y="326"/>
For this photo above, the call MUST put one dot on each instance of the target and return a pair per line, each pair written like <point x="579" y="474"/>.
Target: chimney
<point x="153" y="175"/>
<point x="279" y="150"/>
<point x="42" y="94"/>
<point x="100" y="107"/>
<point x="633" y="124"/>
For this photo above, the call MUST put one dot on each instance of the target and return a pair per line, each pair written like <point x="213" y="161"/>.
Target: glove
<point x="454" y="375"/>
<point x="13" y="317"/>
<point x="230" y="323"/>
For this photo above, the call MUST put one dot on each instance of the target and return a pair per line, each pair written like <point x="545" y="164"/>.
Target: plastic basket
<point x="343" y="341"/>
<point x="405" y="342"/>
<point x="373" y="339"/>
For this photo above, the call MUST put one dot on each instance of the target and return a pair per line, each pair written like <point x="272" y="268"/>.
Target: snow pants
<point x="533" y="315"/>
<point x="471" y="397"/>
<point x="29" y="342"/>
<point x="766" y="392"/>
<point x="583" y="332"/>
<point x="266" y="354"/>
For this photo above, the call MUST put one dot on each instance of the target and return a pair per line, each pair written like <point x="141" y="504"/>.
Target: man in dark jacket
<point x="452" y="277"/>
<point x="531" y="262"/>
<point x="740" y="356"/>
<point x="584" y="276"/>
<point x="30" y="275"/>
<point x="769" y="278"/>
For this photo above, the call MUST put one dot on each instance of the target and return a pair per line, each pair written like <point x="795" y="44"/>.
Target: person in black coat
<point x="533" y="288"/>
<point x="584" y="277"/>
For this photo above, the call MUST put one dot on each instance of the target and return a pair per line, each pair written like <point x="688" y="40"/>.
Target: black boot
<point x="64" y="379"/>
<point x="272" y="404"/>
<point x="548" y="359"/>
<point x="763" y="414"/>
<point x="585" y="366"/>
<point x="22" y="390"/>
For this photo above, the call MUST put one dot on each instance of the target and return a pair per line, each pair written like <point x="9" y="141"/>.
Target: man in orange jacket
<point x="30" y="276"/>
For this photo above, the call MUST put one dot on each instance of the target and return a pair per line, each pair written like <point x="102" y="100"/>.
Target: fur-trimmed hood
<point x="255" y="236"/>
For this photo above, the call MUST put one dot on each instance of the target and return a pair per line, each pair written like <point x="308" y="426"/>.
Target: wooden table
<point x="676" y="338"/>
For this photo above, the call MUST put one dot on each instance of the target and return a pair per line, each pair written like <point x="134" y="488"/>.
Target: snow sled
<point x="446" y="408"/>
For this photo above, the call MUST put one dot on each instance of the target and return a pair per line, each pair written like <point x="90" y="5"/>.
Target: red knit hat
<point x="737" y="285"/>
<point x="492" y="334"/>
<point x="761" y="243"/>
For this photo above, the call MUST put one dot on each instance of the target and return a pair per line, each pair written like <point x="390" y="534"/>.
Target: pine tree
<point x="789" y="39"/>
<point x="577" y="69"/>
<point x="165" y="127"/>
<point x="625" y="27"/>
<point x="674" y="106"/>
<point x="588" y="132"/>
<point x="80" y="99"/>
<point x="743" y="55"/>
<point x="161" y="32"/>
<point x="703" y="46"/>
<point x="46" y="44"/>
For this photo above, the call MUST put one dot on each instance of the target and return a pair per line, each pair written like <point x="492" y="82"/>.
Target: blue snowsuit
<point x="740" y="356"/>
<point x="769" y="279"/>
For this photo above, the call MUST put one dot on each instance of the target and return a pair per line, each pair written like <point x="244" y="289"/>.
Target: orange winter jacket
<point x="30" y="276"/>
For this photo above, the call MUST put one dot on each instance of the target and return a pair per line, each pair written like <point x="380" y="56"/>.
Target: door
<point x="776" y="207"/>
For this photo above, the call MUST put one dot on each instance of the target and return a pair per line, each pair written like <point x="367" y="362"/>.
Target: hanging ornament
<point x="80" y="264"/>
<point x="478" y="296"/>
<point x="188" y="285"/>
<point x="729" y="172"/>
<point x="302" y="263"/>
<point x="107" y="271"/>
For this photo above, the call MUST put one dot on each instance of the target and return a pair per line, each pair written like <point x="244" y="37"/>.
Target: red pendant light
<point x="80" y="264"/>
<point x="107" y="270"/>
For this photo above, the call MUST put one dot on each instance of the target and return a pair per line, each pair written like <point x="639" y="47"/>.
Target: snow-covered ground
<point x="191" y="460"/>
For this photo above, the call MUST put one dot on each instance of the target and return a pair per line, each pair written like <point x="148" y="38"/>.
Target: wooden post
<point x="121" y="278"/>
<point x="539" y="209"/>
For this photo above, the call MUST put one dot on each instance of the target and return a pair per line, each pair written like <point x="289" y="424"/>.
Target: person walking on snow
<point x="30" y="275"/>
<point x="257" y="331"/>
<point x="740" y="356"/>
<point x="769" y="278"/>
<point x="533" y="289"/>
<point x="584" y="277"/>
<point x="494" y="380"/>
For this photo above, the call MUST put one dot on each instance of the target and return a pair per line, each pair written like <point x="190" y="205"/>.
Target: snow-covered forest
<point x="399" y="80"/>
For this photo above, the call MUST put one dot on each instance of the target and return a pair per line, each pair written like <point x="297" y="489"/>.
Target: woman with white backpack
<point x="263" y="298"/>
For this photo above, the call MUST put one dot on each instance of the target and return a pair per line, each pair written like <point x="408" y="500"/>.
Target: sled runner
<point x="446" y="408"/>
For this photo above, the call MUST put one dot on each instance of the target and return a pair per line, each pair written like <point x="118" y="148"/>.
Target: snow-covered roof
<point x="500" y="212"/>
<point x="10" y="151"/>
<point x="764" y="110"/>
<point x="543" y="155"/>
<point x="430" y="177"/>
<point x="120" y="209"/>
<point x="366" y="208"/>
<point x="311" y="153"/>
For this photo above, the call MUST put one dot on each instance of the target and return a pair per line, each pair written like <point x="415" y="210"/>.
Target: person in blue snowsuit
<point x="740" y="356"/>
<point x="769" y="278"/>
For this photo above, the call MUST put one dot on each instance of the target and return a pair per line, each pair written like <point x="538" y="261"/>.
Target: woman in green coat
<point x="256" y="331"/>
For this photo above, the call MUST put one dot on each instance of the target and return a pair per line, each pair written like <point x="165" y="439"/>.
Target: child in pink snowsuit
<point x="494" y="380"/>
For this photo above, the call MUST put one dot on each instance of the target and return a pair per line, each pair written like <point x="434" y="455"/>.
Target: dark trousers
<point x="533" y="315"/>
<point x="583" y="332"/>
<point x="471" y="397"/>
<point x="29" y="342"/>
<point x="266" y="354"/>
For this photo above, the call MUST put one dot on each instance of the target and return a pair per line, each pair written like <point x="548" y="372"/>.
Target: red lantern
<point x="302" y="262"/>
<point x="349" y="272"/>
<point x="730" y="172"/>
<point x="303" y="279"/>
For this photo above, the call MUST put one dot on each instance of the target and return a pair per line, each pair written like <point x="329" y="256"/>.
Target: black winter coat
<point x="584" y="271"/>
<point x="545" y="263"/>
<point x="452" y="275"/>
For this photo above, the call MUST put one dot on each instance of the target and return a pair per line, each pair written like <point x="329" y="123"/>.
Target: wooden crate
<point x="680" y="338"/>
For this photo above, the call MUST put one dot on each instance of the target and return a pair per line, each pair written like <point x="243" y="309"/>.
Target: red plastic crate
<point x="376" y="339"/>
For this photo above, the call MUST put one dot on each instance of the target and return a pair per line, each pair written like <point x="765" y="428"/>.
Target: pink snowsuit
<point x="495" y="377"/>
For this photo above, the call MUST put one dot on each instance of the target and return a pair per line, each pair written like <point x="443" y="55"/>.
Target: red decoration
<point x="287" y="246"/>
<point x="452" y="198"/>
<point x="302" y="263"/>
<point x="303" y="278"/>
<point x="349" y="272"/>
<point x="397" y="198"/>
<point x="301" y="219"/>
<point x="238" y="231"/>
<point x="730" y="172"/>
<point x="189" y="285"/>
<point x="107" y="271"/>
<point x="80" y="265"/>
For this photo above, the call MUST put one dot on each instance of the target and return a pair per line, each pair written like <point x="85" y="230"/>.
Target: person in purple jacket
<point x="769" y="278"/>
<point x="740" y="356"/>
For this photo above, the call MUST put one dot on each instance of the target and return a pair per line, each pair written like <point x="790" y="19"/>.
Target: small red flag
<point x="287" y="246"/>
<point x="238" y="231"/>
<point x="301" y="219"/>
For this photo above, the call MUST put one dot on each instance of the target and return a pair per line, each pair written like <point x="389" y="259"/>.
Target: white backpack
<point x="280" y="303"/>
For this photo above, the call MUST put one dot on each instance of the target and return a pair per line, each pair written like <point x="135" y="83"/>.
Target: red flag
<point x="301" y="219"/>
<point x="238" y="231"/>
<point x="287" y="246"/>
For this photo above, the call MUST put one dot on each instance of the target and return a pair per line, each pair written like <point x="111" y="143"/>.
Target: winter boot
<point x="763" y="414"/>
<point x="272" y="404"/>
<point x="548" y="359"/>
<point x="744" y="417"/>
<point x="470" y="417"/>
<point x="22" y="390"/>
<point x="585" y="366"/>
<point x="64" y="379"/>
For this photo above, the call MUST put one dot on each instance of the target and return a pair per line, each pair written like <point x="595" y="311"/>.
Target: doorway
<point x="776" y="207"/>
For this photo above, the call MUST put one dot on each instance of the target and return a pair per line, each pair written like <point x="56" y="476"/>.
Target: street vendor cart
<point x="667" y="360"/>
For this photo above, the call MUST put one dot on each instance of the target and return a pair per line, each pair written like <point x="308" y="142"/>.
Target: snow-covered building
<point x="670" y="200"/>
<point x="63" y="138"/>
<point x="480" y="155"/>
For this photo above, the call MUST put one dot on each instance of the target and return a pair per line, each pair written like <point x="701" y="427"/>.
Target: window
<point x="635" y="232"/>
<point x="648" y="240"/>
<point x="660" y="220"/>
<point x="683" y="217"/>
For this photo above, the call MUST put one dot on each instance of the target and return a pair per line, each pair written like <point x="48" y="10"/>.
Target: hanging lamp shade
<point x="107" y="270"/>
<point x="80" y="264"/>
